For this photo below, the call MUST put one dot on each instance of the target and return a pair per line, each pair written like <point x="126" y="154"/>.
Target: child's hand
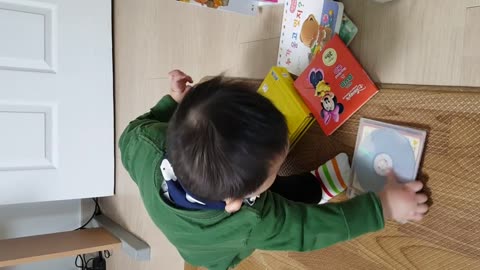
<point x="178" y="84"/>
<point x="401" y="202"/>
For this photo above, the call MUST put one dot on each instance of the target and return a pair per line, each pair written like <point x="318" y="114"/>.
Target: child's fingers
<point x="421" y="198"/>
<point x="186" y="79"/>
<point x="177" y="86"/>
<point x="179" y="75"/>
<point x="417" y="217"/>
<point x="421" y="208"/>
<point x="391" y="178"/>
<point x="403" y="221"/>
<point x="414" y="186"/>
<point x="174" y="73"/>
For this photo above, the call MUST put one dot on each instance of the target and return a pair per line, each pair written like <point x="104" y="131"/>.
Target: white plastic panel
<point x="28" y="36"/>
<point x="27" y="137"/>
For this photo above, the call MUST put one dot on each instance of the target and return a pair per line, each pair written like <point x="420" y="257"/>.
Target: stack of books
<point x="279" y="88"/>
<point x="331" y="83"/>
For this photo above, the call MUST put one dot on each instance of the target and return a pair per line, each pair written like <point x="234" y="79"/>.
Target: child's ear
<point x="233" y="205"/>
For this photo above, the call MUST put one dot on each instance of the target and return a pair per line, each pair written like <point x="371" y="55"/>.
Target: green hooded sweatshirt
<point x="219" y="240"/>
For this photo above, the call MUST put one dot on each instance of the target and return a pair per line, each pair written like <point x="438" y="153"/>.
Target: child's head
<point x="225" y="141"/>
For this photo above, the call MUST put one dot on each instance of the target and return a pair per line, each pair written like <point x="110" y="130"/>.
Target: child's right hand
<point x="401" y="202"/>
<point x="179" y="84"/>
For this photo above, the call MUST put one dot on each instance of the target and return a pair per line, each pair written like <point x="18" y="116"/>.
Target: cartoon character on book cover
<point x="331" y="108"/>
<point x="315" y="33"/>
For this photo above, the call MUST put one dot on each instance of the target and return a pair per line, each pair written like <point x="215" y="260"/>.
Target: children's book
<point x="307" y="26"/>
<point x="334" y="86"/>
<point x="279" y="89"/>
<point x="263" y="3"/>
<point x="348" y="30"/>
<point x="248" y="7"/>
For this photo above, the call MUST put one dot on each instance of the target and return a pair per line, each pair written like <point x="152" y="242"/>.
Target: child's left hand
<point x="178" y="84"/>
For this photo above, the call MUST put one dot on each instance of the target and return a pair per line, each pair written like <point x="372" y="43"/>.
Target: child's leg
<point x="333" y="176"/>
<point x="298" y="188"/>
<point x="317" y="186"/>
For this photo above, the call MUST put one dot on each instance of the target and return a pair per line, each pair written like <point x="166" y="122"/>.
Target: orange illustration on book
<point x="314" y="35"/>
<point x="213" y="3"/>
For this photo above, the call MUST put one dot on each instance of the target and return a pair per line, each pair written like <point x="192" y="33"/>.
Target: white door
<point x="56" y="100"/>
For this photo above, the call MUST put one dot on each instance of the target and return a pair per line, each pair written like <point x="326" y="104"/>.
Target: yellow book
<point x="278" y="87"/>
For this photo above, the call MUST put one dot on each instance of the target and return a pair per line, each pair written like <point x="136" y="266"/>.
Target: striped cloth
<point x="333" y="176"/>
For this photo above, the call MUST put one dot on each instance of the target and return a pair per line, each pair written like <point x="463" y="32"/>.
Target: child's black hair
<point x="223" y="139"/>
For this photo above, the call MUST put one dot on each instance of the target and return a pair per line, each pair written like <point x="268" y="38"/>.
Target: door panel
<point x="56" y="100"/>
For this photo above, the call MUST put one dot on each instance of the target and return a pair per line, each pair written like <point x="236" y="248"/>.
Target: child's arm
<point x="291" y="226"/>
<point x="163" y="111"/>
<point x="144" y="138"/>
<point x="299" y="227"/>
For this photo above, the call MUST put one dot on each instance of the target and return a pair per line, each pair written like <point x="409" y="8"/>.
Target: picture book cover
<point x="334" y="86"/>
<point x="348" y="30"/>
<point x="263" y="3"/>
<point x="278" y="87"/>
<point x="247" y="7"/>
<point x="306" y="27"/>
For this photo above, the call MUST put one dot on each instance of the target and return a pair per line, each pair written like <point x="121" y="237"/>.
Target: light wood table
<point x="51" y="246"/>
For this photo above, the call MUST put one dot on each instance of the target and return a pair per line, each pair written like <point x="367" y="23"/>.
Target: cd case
<point x="381" y="147"/>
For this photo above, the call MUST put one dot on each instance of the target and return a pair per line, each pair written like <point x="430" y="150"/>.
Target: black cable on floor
<point x="80" y="261"/>
<point x="96" y="212"/>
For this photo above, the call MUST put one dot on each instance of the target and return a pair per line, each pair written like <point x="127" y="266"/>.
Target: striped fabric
<point x="333" y="176"/>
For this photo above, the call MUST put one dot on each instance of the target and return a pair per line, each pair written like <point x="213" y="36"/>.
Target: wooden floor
<point x="432" y="42"/>
<point x="406" y="41"/>
<point x="449" y="236"/>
